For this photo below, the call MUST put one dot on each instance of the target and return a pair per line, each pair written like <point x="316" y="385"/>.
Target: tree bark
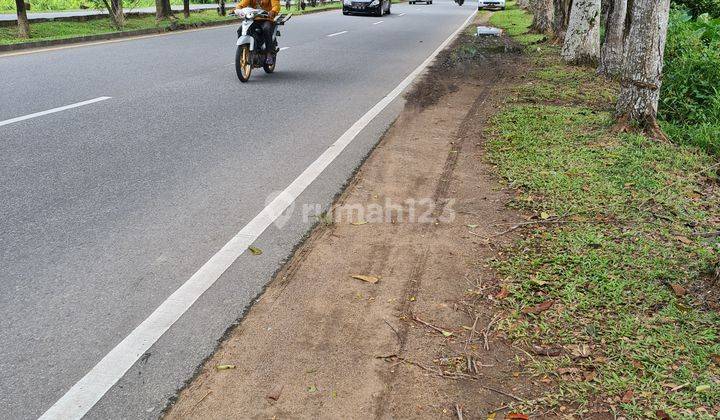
<point x="642" y="66"/>
<point x="186" y="8"/>
<point x="582" y="40"/>
<point x="523" y="4"/>
<point x="221" y="8"/>
<point x="560" y="21"/>
<point x="543" y="16"/>
<point x="23" y="24"/>
<point x="611" y="55"/>
<point x="162" y="9"/>
<point x="117" y="15"/>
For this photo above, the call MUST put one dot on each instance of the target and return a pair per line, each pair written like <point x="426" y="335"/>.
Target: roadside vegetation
<point x="44" y="31"/>
<point x="8" y="6"/>
<point x="613" y="289"/>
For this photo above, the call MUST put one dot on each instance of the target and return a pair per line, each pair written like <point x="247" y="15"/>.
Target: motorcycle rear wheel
<point x="243" y="63"/>
<point x="268" y="68"/>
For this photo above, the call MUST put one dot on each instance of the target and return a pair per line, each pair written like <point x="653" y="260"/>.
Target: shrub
<point x="698" y="7"/>
<point x="691" y="81"/>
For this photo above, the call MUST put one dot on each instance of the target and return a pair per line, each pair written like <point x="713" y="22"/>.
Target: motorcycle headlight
<point x="373" y="3"/>
<point x="347" y="2"/>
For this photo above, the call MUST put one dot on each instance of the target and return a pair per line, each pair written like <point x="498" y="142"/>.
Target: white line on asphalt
<point x="91" y="387"/>
<point x="284" y="48"/>
<point x="54" y="110"/>
<point x="379" y="22"/>
<point x="337" y="33"/>
<point x="401" y="14"/>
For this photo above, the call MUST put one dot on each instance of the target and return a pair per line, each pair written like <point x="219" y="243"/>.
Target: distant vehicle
<point x="420" y="1"/>
<point x="372" y="7"/>
<point x="491" y="4"/>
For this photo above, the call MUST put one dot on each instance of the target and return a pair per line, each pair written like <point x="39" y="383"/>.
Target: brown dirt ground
<point x="320" y="344"/>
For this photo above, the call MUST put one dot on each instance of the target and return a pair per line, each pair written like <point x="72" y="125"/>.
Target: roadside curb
<point x="127" y="34"/>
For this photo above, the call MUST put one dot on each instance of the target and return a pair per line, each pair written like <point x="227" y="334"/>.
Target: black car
<point x="373" y="7"/>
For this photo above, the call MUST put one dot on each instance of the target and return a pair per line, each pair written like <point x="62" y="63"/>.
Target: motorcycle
<point x="248" y="55"/>
<point x="460" y="2"/>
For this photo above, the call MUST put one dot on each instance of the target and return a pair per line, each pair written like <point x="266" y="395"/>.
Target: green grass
<point x="8" y="6"/>
<point x="630" y="209"/>
<point x="66" y="29"/>
<point x="516" y="23"/>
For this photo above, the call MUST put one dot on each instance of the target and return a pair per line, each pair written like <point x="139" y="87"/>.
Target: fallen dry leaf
<point x="502" y="294"/>
<point x="678" y="290"/>
<point x="684" y="240"/>
<point x="368" y="279"/>
<point x="540" y="307"/>
<point x="715" y="358"/>
<point x="255" y="250"/>
<point x="516" y="416"/>
<point x="589" y="376"/>
<point x="275" y="393"/>
<point x="628" y="396"/>
<point x="359" y="223"/>
<point x="225" y="367"/>
<point x="579" y="350"/>
<point x="661" y="415"/>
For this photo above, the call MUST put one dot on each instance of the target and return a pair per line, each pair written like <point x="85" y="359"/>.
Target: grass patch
<point x="8" y="6"/>
<point x="45" y="31"/>
<point x="631" y="216"/>
<point x="516" y="23"/>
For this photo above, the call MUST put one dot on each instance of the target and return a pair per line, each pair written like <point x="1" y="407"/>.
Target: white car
<point x="491" y="4"/>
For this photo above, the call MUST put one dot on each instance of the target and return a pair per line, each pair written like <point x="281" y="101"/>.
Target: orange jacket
<point x="271" y="6"/>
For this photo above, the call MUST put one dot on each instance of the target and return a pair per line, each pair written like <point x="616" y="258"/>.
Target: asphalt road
<point x="108" y="208"/>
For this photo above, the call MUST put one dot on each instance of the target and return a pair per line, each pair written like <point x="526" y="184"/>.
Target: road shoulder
<point x="420" y="340"/>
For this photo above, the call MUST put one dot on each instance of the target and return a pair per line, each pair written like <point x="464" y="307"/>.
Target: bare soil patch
<point x="420" y="342"/>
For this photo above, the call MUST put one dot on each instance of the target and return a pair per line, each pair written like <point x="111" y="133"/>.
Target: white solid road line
<point x="379" y="22"/>
<point x="54" y="110"/>
<point x="337" y="33"/>
<point x="401" y="14"/>
<point x="88" y="390"/>
<point x="284" y="48"/>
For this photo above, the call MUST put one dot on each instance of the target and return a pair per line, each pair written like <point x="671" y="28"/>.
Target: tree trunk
<point x="221" y="8"/>
<point x="162" y="9"/>
<point x="117" y="15"/>
<point x="543" y="16"/>
<point x="23" y="24"/>
<point x="523" y="4"/>
<point x="642" y="66"/>
<point x="582" y="40"/>
<point x="186" y="8"/>
<point x="611" y="55"/>
<point x="560" y="21"/>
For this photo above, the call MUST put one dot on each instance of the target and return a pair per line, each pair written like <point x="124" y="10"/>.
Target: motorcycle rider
<point x="266" y="24"/>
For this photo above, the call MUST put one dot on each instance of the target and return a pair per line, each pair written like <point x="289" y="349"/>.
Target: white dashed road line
<point x="54" y="110"/>
<point x="337" y="33"/>
<point x="378" y="22"/>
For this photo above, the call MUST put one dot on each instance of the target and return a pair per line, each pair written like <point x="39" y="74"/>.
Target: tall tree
<point x="543" y="15"/>
<point x="186" y="8"/>
<point x="523" y="4"/>
<point x="642" y="66"/>
<point x="582" y="40"/>
<point x="611" y="55"/>
<point x="162" y="9"/>
<point x="23" y="24"/>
